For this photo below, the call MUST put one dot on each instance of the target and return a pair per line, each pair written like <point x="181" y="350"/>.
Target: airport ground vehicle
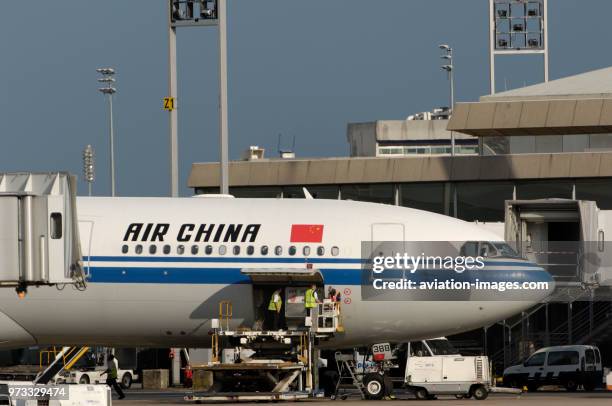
<point x="427" y="368"/>
<point x="86" y="376"/>
<point x="569" y="365"/>
<point x="89" y="370"/>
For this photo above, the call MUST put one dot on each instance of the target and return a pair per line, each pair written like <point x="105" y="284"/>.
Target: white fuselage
<point x="168" y="297"/>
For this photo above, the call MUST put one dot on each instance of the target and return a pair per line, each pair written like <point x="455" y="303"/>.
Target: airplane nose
<point x="536" y="283"/>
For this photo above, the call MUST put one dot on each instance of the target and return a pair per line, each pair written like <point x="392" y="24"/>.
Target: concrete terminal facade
<point x="552" y="140"/>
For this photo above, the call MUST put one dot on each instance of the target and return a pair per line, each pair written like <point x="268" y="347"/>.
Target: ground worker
<point x="311" y="299"/>
<point x="275" y="306"/>
<point x="111" y="377"/>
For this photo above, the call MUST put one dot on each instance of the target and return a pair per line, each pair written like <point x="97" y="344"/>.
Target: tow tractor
<point x="426" y="372"/>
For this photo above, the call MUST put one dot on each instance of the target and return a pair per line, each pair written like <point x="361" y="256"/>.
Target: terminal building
<point x="548" y="141"/>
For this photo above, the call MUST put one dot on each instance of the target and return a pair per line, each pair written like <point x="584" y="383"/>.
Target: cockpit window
<point x="488" y="250"/>
<point x="506" y="251"/>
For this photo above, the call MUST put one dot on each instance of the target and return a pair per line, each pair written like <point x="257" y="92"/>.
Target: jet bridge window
<point x="56" y="226"/>
<point x="124" y="249"/>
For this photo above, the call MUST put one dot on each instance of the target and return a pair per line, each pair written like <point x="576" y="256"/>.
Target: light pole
<point x="109" y="90"/>
<point x="89" y="170"/>
<point x="449" y="68"/>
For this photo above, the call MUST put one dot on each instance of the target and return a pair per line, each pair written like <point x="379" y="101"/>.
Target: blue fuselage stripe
<point x="333" y="276"/>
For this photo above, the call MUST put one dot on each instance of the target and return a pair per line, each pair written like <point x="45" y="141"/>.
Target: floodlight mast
<point x="508" y="37"/>
<point x="449" y="68"/>
<point x="109" y="90"/>
<point x="193" y="13"/>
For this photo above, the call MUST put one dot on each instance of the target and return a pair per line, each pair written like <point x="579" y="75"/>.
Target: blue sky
<point x="300" y="68"/>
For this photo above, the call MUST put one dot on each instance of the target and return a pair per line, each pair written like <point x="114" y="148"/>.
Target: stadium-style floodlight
<point x="517" y="27"/>
<point x="109" y="90"/>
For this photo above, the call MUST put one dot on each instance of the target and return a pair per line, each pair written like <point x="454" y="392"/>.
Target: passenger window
<point x="536" y="360"/>
<point x="306" y="250"/>
<point x="125" y="249"/>
<point x="278" y="250"/>
<point x="56" y="226"/>
<point x="194" y="250"/>
<point x="222" y="249"/>
<point x="250" y="250"/>
<point x="138" y="249"/>
<point x="166" y="249"/>
<point x="208" y="250"/>
<point x="292" y="250"/>
<point x="264" y="250"/>
<point x="320" y="251"/>
<point x="236" y="250"/>
<point x="180" y="249"/>
<point x="152" y="249"/>
<point x="335" y="251"/>
<point x="556" y="358"/>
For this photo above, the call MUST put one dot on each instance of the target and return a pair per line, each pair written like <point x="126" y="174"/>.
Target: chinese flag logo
<point x="307" y="233"/>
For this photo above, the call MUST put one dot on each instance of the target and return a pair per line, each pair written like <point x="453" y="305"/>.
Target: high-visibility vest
<point x="275" y="306"/>
<point x="309" y="299"/>
<point x="112" y="370"/>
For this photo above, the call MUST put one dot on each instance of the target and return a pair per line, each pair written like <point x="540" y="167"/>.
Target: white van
<point x="567" y="365"/>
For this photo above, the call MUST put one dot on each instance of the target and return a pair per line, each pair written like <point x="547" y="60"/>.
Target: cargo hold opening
<point x="293" y="284"/>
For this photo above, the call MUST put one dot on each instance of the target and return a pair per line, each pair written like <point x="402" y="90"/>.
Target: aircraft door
<point x="86" y="234"/>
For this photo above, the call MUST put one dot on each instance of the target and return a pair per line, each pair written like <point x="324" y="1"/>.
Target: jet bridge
<point x="39" y="238"/>
<point x="566" y="237"/>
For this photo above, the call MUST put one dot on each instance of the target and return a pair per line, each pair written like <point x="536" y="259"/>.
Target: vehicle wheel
<point x="480" y="393"/>
<point x="571" y="385"/>
<point x="374" y="386"/>
<point x="126" y="380"/>
<point x="532" y="387"/>
<point x="421" y="394"/>
<point x="84" y="380"/>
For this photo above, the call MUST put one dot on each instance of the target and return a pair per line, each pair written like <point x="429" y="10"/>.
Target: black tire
<point x="571" y="385"/>
<point x="421" y="394"/>
<point x="480" y="392"/>
<point x="126" y="380"/>
<point x="84" y="380"/>
<point x="374" y="386"/>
